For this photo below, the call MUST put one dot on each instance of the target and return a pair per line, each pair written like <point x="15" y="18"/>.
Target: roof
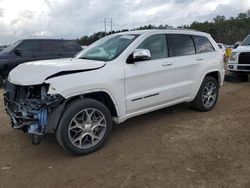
<point x="46" y="39"/>
<point x="174" y="30"/>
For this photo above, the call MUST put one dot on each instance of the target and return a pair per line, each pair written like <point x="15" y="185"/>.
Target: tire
<point x="236" y="77"/>
<point x="84" y="117"/>
<point x="1" y="81"/>
<point x="203" y="97"/>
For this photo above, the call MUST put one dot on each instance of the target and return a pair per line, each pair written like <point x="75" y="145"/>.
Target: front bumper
<point x="238" y="67"/>
<point x="29" y="111"/>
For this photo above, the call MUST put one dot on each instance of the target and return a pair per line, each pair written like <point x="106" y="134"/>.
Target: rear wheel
<point x="207" y="95"/>
<point x="85" y="126"/>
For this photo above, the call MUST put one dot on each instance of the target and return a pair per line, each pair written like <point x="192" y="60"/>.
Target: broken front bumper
<point x="29" y="107"/>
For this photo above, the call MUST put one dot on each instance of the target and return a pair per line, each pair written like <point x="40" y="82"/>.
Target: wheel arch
<point x="101" y="96"/>
<point x="214" y="74"/>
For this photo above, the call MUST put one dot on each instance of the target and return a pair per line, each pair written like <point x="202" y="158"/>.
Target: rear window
<point x="180" y="45"/>
<point x="203" y="45"/>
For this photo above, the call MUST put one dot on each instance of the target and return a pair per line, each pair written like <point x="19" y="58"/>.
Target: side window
<point x="50" y="46"/>
<point x="29" y="46"/>
<point x="70" y="46"/>
<point x="181" y="45"/>
<point x="157" y="44"/>
<point x="203" y="45"/>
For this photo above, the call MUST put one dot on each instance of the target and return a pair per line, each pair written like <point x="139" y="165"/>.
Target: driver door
<point x="150" y="83"/>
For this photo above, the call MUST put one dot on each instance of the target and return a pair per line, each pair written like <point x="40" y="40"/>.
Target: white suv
<point x="118" y="77"/>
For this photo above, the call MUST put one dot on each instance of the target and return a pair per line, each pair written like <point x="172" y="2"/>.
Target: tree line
<point x="227" y="31"/>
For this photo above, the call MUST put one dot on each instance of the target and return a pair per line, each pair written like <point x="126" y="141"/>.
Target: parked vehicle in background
<point x="222" y="47"/>
<point x="33" y="50"/>
<point x="223" y="52"/>
<point x="229" y="49"/>
<point x="2" y="48"/>
<point x="116" y="78"/>
<point x="84" y="47"/>
<point x="236" y="44"/>
<point x="240" y="58"/>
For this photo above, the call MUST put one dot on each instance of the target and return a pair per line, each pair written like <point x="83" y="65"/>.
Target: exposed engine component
<point x="29" y="107"/>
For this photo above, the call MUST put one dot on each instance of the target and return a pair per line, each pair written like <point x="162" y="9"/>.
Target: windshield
<point x="10" y="47"/>
<point x="246" y="41"/>
<point x="108" y="48"/>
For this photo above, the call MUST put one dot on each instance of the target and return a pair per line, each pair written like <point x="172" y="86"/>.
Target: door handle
<point x="199" y="59"/>
<point x="167" y="64"/>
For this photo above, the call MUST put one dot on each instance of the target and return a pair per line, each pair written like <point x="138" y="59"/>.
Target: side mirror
<point x="18" y="52"/>
<point x="141" y="55"/>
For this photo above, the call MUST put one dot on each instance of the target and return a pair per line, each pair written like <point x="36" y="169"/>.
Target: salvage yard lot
<point x="173" y="147"/>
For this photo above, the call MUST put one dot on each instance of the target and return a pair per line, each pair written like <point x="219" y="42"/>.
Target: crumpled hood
<point x="34" y="73"/>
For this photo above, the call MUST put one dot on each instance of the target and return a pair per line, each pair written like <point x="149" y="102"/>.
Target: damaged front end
<point x="29" y="107"/>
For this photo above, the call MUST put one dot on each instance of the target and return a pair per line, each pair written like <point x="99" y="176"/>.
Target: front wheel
<point x="85" y="126"/>
<point x="207" y="95"/>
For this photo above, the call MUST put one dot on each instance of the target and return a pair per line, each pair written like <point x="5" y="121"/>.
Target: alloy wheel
<point x="87" y="128"/>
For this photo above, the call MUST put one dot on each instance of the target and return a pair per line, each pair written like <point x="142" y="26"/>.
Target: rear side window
<point x="157" y="44"/>
<point x="70" y="46"/>
<point x="180" y="45"/>
<point x="203" y="45"/>
<point x="51" y="46"/>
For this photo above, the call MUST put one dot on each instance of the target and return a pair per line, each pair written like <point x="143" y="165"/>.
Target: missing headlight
<point x="30" y="106"/>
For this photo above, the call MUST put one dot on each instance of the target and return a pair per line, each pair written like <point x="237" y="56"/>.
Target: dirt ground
<point x="173" y="147"/>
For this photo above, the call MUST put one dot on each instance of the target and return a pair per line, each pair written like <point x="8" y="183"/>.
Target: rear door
<point x="149" y="83"/>
<point x="187" y="55"/>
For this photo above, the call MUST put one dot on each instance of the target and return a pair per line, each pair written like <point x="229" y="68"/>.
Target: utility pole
<point x="106" y="23"/>
<point x="111" y="25"/>
<point x="105" y="26"/>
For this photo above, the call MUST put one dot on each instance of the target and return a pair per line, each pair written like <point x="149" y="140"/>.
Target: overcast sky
<point x="72" y="19"/>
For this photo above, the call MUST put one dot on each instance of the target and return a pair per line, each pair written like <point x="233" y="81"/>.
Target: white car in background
<point x="222" y="47"/>
<point x="116" y="78"/>
<point x="84" y="47"/>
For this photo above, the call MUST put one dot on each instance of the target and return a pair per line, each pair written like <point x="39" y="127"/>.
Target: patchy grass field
<point x="173" y="147"/>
